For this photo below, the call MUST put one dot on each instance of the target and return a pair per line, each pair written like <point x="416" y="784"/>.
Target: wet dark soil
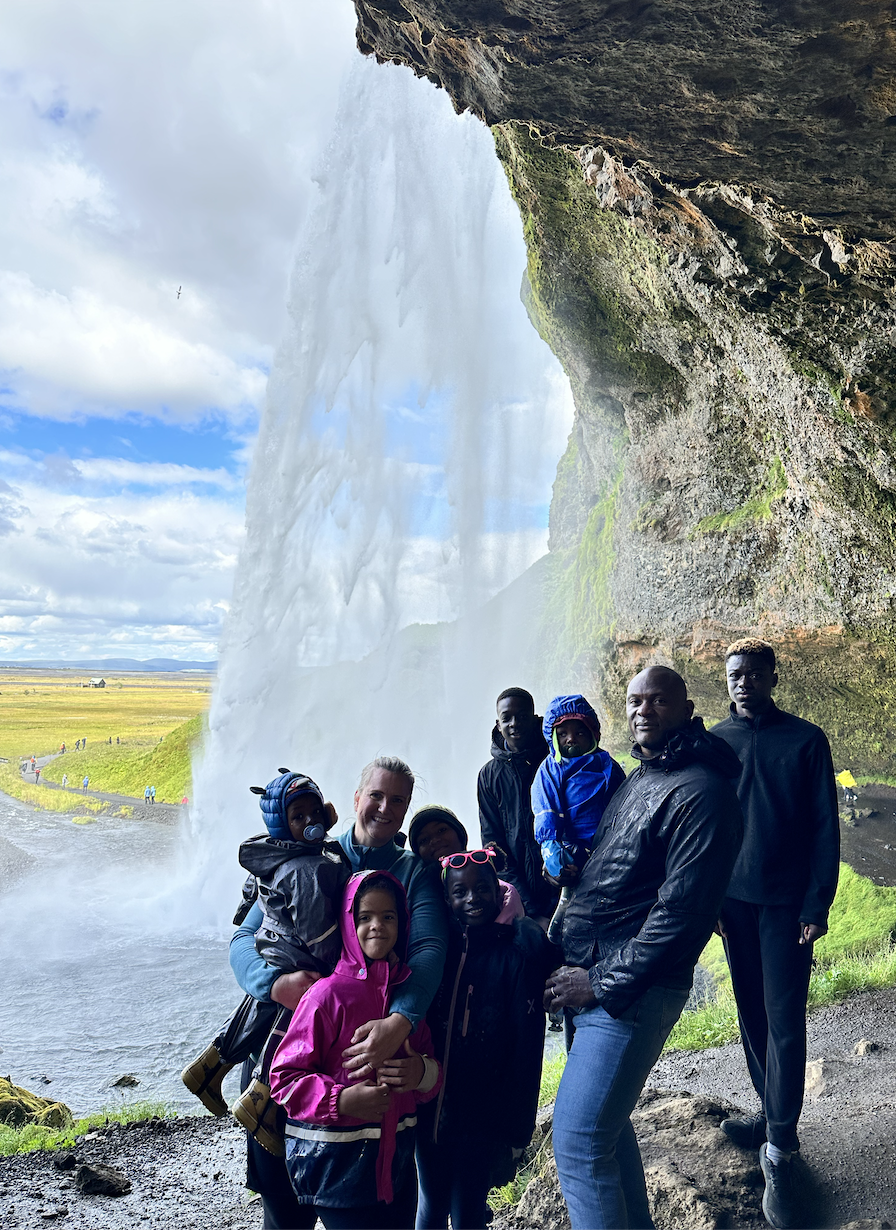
<point x="868" y="843"/>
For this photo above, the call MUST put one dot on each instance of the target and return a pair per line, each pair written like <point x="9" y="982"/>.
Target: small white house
<point x="97" y="683"/>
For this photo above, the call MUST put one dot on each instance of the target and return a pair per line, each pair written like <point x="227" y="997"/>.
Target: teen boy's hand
<point x="365" y="1101"/>
<point x="375" y="1042"/>
<point x="403" y="1075"/>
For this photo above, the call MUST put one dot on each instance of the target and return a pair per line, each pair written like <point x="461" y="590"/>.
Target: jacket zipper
<point x="460" y="970"/>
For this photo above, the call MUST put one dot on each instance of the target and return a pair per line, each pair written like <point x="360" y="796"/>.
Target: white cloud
<point x="147" y="147"/>
<point x="66" y="355"/>
<point x="150" y="573"/>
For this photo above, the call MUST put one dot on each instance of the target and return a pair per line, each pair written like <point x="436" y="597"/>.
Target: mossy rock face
<point x="711" y="249"/>
<point x="19" y="1107"/>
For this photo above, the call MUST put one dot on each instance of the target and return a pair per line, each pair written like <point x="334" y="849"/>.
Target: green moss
<point x="594" y="278"/>
<point x="33" y="1136"/>
<point x="758" y="508"/>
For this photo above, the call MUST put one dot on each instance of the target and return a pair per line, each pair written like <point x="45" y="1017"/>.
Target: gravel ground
<point x="848" y="1128"/>
<point x="189" y="1172"/>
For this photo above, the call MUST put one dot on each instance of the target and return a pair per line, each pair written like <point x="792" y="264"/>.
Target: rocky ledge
<point x="189" y="1172"/>
<point x="707" y="193"/>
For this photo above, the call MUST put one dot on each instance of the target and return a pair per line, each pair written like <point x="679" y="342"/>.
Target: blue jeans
<point x="598" y="1159"/>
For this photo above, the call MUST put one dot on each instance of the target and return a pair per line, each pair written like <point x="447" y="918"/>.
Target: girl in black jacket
<point x="487" y="1024"/>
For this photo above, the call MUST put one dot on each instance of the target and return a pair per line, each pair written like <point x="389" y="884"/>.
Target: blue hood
<point x="273" y="801"/>
<point x="562" y="707"/>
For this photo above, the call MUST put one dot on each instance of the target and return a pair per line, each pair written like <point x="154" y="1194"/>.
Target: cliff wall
<point x="708" y="193"/>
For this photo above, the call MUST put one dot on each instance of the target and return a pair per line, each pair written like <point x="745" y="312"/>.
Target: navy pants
<point x="770" y="974"/>
<point x="455" y="1177"/>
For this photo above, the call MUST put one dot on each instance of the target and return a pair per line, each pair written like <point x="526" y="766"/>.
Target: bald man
<point x="645" y="906"/>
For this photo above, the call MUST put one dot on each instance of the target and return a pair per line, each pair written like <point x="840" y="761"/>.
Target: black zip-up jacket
<point x="505" y="817"/>
<point x="487" y="1025"/>
<point x="650" y="893"/>
<point x="300" y="893"/>
<point x="791" y="849"/>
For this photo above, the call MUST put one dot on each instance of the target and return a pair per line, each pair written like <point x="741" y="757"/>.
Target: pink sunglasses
<point x="466" y="856"/>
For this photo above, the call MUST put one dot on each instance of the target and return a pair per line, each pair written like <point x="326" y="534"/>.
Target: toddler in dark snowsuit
<point x="487" y="1025"/>
<point x="298" y="878"/>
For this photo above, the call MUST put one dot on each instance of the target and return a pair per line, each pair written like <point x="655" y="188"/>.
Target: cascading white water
<point x="412" y="430"/>
<point x="413" y="418"/>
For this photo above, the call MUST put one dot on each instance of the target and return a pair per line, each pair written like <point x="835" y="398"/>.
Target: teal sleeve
<point x="251" y="971"/>
<point x="428" y="942"/>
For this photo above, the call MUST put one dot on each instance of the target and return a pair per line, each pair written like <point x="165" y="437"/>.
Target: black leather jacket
<point x="650" y="893"/>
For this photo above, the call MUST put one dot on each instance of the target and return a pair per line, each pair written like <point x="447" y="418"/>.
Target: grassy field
<point x="157" y="718"/>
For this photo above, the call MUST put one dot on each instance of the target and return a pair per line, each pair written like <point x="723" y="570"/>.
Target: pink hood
<point x="307" y="1074"/>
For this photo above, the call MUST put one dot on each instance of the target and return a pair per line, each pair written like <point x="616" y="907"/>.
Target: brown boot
<point x="256" y="1110"/>
<point x="203" y="1077"/>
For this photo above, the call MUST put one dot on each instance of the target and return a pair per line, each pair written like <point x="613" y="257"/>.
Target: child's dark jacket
<point x="300" y="891"/>
<point x="487" y="1024"/>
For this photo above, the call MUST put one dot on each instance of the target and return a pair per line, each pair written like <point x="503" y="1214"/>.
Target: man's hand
<point x="375" y="1042"/>
<point x="720" y="929"/>
<point x="568" y="987"/>
<point x="402" y="1075"/>
<point x="812" y="932"/>
<point x="365" y="1101"/>
<point x="289" y="988"/>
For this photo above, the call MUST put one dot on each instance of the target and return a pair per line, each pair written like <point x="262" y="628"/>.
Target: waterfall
<point x="413" y="424"/>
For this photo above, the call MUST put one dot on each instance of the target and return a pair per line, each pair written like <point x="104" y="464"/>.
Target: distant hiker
<point x="33" y="764"/>
<point x="83" y="744"/>
<point x="152" y="794"/>
<point x="505" y="807"/>
<point x="348" y="1173"/>
<point x="298" y="877"/>
<point x="85" y="782"/>
<point x="110" y="740"/>
<point x="117" y="740"/>
<point x="572" y="787"/>
<point x="146" y="795"/>
<point x="64" y="780"/>
<point x="37" y="774"/>
<point x="62" y="749"/>
<point x="487" y="1023"/>
<point x="642" y="912"/>
<point x="435" y="832"/>
<point x="77" y="745"/>
<point x="776" y="906"/>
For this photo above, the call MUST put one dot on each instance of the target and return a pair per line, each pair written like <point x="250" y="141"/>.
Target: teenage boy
<point x="505" y="806"/>
<point x="776" y="906"/>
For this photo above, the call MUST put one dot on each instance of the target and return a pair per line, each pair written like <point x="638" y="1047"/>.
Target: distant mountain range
<point x="115" y="664"/>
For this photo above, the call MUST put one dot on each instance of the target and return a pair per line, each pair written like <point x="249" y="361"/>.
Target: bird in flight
<point x="179" y="289"/>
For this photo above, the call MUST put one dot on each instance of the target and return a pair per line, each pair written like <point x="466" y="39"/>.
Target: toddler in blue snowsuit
<point x="570" y="792"/>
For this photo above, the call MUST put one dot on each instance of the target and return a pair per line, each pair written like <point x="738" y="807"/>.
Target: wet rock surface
<point x="697" y="1179"/>
<point x="707" y="193"/>
<point x="179" y="1172"/>
<point x="190" y="1172"/>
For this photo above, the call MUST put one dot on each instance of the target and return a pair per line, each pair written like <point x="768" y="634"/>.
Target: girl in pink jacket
<point x="350" y="1143"/>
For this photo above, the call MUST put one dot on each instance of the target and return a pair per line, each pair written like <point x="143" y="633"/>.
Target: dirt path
<point x="162" y="813"/>
<point x="189" y="1172"/>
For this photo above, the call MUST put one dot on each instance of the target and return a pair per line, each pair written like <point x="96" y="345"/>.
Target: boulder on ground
<point x="101" y="1180"/>
<point x="696" y="1178"/>
<point x="19" y="1107"/>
